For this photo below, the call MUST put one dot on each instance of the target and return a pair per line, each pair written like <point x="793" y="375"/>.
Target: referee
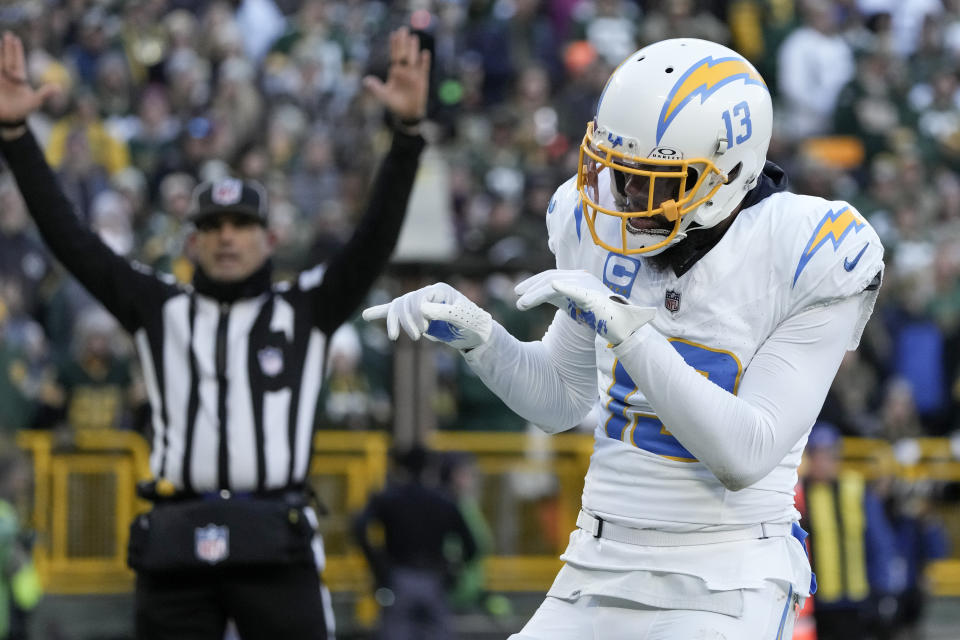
<point x="233" y="366"/>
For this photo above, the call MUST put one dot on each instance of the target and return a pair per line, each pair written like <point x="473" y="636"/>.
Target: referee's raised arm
<point x="107" y="276"/>
<point x="353" y="270"/>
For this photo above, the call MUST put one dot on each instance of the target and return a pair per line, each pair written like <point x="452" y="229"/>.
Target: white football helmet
<point x="680" y="136"/>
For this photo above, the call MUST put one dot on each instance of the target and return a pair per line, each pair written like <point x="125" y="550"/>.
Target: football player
<point x="706" y="308"/>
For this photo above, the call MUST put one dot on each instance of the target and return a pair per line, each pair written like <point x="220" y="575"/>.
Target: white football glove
<point x="439" y="312"/>
<point x="585" y="299"/>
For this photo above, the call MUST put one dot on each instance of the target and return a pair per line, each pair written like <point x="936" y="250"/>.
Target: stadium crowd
<point x="159" y="95"/>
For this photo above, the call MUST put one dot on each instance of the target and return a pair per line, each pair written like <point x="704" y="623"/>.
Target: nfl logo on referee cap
<point x="212" y="543"/>
<point x="671" y="300"/>
<point x="229" y="195"/>
<point x="226" y="191"/>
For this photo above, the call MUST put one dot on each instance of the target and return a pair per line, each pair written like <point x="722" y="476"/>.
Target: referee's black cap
<point x="229" y="195"/>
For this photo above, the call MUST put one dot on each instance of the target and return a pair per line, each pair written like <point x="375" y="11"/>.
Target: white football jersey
<point x="785" y="254"/>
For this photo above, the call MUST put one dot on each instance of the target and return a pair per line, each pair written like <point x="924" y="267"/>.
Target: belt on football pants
<point x="600" y="528"/>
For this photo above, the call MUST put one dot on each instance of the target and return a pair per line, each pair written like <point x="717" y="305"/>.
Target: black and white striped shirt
<point x="233" y="371"/>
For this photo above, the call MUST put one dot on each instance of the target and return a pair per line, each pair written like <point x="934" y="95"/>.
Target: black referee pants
<point x="265" y="603"/>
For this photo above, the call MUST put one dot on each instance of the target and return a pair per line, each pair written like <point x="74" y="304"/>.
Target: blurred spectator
<point x="853" y="398"/>
<point x="853" y="548"/>
<point x="610" y="26"/>
<point x="316" y="180"/>
<point x="92" y="43"/>
<point x="899" y="421"/>
<point x="260" y="23"/>
<point x="237" y="106"/>
<point x="97" y="387"/>
<point x="153" y="133"/>
<point x="101" y="148"/>
<point x="919" y="362"/>
<point x="577" y="99"/>
<point x="871" y="105"/>
<point x="460" y="477"/>
<point x="111" y="218"/>
<point x="20" y="588"/>
<point x="814" y="63"/>
<point x="131" y="185"/>
<point x="15" y="395"/>
<point x="114" y="88"/>
<point x="533" y="41"/>
<point x="195" y="147"/>
<point x="164" y="232"/>
<point x="682" y="19"/>
<point x="142" y="38"/>
<point x="921" y="538"/>
<point x="24" y="262"/>
<point x="347" y="400"/>
<point x="908" y="17"/>
<point x="488" y="41"/>
<point x="425" y="543"/>
<point x="937" y="103"/>
<point x="81" y="177"/>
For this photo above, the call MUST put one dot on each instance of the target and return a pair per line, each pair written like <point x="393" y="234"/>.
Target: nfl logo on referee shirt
<point x="671" y="300"/>
<point x="212" y="543"/>
<point x="271" y="361"/>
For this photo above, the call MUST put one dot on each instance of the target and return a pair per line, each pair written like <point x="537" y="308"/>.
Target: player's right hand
<point x="538" y="289"/>
<point x="588" y="301"/>
<point x="438" y="312"/>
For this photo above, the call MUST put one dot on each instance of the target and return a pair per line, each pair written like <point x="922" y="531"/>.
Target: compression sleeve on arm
<point x="551" y="382"/>
<point x="742" y="437"/>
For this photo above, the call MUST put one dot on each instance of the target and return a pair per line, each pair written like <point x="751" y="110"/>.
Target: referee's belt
<point x="600" y="528"/>
<point x="162" y="491"/>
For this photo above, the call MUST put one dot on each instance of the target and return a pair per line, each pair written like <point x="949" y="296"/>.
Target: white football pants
<point x="768" y="614"/>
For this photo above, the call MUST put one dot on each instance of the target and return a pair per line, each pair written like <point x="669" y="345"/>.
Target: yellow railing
<point x="84" y="500"/>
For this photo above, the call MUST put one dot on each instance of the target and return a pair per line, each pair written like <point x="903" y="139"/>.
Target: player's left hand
<point x="587" y="300"/>
<point x="408" y="79"/>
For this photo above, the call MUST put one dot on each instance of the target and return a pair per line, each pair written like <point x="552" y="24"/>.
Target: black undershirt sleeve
<point x="108" y="277"/>
<point x="355" y="268"/>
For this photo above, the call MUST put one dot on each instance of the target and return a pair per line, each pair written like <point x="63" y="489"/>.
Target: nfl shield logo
<point x="212" y="543"/>
<point x="271" y="361"/>
<point x="227" y="191"/>
<point x="672" y="301"/>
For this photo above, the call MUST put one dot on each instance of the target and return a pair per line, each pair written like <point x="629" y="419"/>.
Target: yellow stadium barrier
<point x="83" y="501"/>
<point x="530" y="486"/>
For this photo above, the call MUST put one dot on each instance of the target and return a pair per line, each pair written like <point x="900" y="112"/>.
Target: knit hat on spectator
<point x="229" y="195"/>
<point x="824" y="435"/>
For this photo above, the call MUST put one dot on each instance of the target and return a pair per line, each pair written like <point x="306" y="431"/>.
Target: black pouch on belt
<point x="190" y="534"/>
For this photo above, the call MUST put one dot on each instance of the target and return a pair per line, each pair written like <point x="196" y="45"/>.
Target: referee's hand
<point x="17" y="98"/>
<point x="408" y="79"/>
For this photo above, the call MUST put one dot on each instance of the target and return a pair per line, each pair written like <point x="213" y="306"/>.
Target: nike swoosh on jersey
<point x="849" y="264"/>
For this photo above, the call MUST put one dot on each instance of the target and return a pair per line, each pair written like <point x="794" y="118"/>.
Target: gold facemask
<point x="679" y="182"/>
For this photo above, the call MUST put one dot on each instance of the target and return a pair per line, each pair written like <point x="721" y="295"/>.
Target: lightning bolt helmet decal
<point x="703" y="79"/>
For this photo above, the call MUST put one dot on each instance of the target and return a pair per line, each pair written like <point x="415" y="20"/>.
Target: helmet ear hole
<point x="734" y="173"/>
